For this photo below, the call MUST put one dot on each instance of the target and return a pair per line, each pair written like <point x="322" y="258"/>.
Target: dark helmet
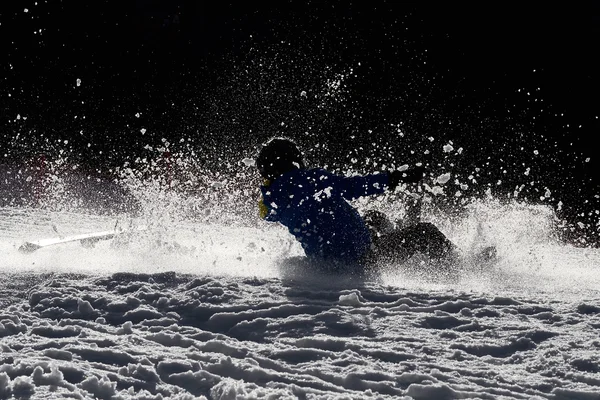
<point x="278" y="156"/>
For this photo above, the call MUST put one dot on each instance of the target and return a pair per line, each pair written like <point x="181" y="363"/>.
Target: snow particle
<point x="448" y="148"/>
<point x="248" y="162"/>
<point x="443" y="179"/>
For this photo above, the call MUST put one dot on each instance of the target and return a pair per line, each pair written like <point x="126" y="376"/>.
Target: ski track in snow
<point x="226" y="320"/>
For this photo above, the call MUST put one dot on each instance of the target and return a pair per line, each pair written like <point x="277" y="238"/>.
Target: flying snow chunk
<point x="448" y="148"/>
<point x="249" y="162"/>
<point x="443" y="179"/>
<point x="78" y="82"/>
<point x="436" y="190"/>
<point x="143" y="130"/>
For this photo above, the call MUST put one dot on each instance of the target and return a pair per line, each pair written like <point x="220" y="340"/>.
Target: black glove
<point x="412" y="175"/>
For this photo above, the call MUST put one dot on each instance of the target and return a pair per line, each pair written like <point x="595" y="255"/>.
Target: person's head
<point x="278" y="156"/>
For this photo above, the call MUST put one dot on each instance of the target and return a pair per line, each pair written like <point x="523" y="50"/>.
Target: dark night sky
<point x="494" y="79"/>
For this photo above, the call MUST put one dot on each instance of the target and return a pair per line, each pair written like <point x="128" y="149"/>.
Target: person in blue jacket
<point x="314" y="206"/>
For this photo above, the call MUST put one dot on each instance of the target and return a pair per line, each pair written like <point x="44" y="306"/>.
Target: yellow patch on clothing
<point x="262" y="208"/>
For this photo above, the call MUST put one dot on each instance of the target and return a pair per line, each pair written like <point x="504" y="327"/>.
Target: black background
<point x="515" y="87"/>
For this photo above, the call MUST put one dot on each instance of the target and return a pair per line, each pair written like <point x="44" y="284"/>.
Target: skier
<point x="313" y="204"/>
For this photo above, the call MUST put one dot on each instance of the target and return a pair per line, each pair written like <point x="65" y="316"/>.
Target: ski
<point x="87" y="240"/>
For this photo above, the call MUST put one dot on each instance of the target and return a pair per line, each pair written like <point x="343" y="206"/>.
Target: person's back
<point x="312" y="204"/>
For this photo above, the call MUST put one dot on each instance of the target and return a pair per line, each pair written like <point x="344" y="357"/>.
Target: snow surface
<point x="217" y="311"/>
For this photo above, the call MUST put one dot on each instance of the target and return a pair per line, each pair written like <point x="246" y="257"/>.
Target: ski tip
<point x="29" y="247"/>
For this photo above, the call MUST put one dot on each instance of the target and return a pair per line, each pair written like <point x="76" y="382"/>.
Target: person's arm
<point x="353" y="187"/>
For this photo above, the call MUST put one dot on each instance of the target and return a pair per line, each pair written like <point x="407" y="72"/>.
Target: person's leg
<point x="428" y="239"/>
<point x="378" y="223"/>
<point x="412" y="215"/>
<point x="423" y="237"/>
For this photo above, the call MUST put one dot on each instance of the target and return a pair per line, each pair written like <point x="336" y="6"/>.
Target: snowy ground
<point x="214" y="311"/>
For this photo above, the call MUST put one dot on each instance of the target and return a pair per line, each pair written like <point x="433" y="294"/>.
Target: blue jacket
<point x="312" y="204"/>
